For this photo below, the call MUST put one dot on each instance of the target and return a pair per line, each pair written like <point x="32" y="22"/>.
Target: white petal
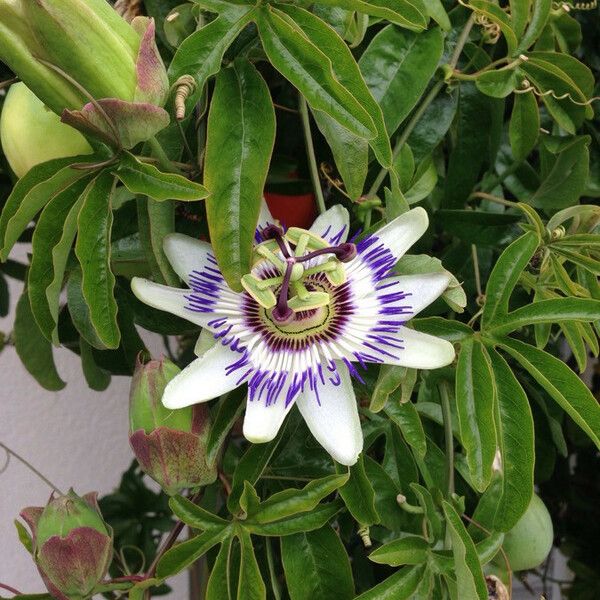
<point x="420" y="290"/>
<point x="172" y="300"/>
<point x="333" y="225"/>
<point x="421" y="350"/>
<point x="265" y="217"/>
<point x="186" y="254"/>
<point x="399" y="235"/>
<point x="262" y="422"/>
<point x="333" y="419"/>
<point x="203" y="379"/>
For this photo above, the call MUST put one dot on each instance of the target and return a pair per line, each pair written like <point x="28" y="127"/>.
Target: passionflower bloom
<point x="314" y="310"/>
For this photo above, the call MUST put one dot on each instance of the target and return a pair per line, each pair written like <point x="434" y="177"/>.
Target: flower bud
<point x="30" y="133"/>
<point x="170" y="445"/>
<point x="72" y="545"/>
<point x="90" y="43"/>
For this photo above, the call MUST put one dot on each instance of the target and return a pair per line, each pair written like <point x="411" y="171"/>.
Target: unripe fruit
<point x="30" y="133"/>
<point x="529" y="542"/>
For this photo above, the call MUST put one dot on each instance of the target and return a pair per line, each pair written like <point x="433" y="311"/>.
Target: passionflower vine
<point x="314" y="310"/>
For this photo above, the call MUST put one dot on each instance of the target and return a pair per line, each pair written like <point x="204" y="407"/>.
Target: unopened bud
<point x="169" y="444"/>
<point x="72" y="545"/>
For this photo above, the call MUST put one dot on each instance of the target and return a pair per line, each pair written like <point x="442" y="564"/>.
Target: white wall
<point x="76" y="437"/>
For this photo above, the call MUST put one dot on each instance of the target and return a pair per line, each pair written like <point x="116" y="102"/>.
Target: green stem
<point x="273" y="575"/>
<point x="448" y="436"/>
<point x="310" y="154"/>
<point x="163" y="160"/>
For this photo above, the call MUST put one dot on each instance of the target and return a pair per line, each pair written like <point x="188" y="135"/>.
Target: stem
<point x="163" y="160"/>
<point x="433" y="92"/>
<point x="448" y="436"/>
<point x="274" y="582"/>
<point x="476" y="270"/>
<point x="11" y="452"/>
<point x="8" y="82"/>
<point x="10" y="589"/>
<point x="492" y="198"/>
<point x="310" y="154"/>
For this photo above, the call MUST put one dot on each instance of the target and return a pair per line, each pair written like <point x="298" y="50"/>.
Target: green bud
<point x="89" y="41"/>
<point x="18" y="49"/>
<point x="146" y="411"/>
<point x="72" y="545"/>
<point x="170" y="445"/>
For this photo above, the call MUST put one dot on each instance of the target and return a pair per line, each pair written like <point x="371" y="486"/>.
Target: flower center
<point x="296" y="256"/>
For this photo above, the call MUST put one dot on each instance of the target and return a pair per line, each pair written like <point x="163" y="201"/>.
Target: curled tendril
<point x="527" y="87"/>
<point x="491" y="30"/>
<point x="567" y="6"/>
<point x="183" y="87"/>
<point x="124" y="564"/>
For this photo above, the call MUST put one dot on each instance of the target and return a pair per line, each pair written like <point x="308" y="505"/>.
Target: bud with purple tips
<point x="170" y="445"/>
<point x="72" y="545"/>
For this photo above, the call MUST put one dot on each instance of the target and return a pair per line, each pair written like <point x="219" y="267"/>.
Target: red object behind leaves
<point x="292" y="210"/>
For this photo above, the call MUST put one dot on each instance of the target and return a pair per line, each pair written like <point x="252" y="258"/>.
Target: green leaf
<point x="519" y="15"/>
<point x="51" y="245"/>
<point x="358" y="494"/>
<point x="475" y="408"/>
<point x="30" y="195"/>
<point x="93" y="251"/>
<point x="389" y="379"/>
<point x="549" y="311"/>
<point x="250" y="468"/>
<point x="195" y="516"/>
<point x="240" y="138"/>
<point x="293" y="501"/>
<point x="34" y="350"/>
<point x="524" y="127"/>
<point x="316" y="566"/>
<point x="469" y="576"/>
<point x="201" y="54"/>
<point x="411" y="14"/>
<point x="453" y="331"/>
<point x="498" y="83"/>
<point x="347" y="72"/>
<point x="250" y="584"/>
<point x="405" y="415"/>
<point x="397" y="67"/>
<point x="156" y="220"/>
<point x="219" y="585"/>
<point x="504" y="277"/>
<point x="477" y="227"/>
<point x="229" y="409"/>
<point x="514" y="423"/>
<point x="182" y="555"/>
<point x="400" y="586"/>
<point x="350" y="153"/>
<point x="565" y="176"/>
<point x="310" y="70"/>
<point x="79" y="311"/>
<point x="435" y="9"/>
<point x="560" y="383"/>
<point x="539" y="18"/>
<point x="298" y="523"/>
<point x="145" y="179"/>
<point x="97" y="378"/>
<point x="476" y="123"/>
<point x="408" y="550"/>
